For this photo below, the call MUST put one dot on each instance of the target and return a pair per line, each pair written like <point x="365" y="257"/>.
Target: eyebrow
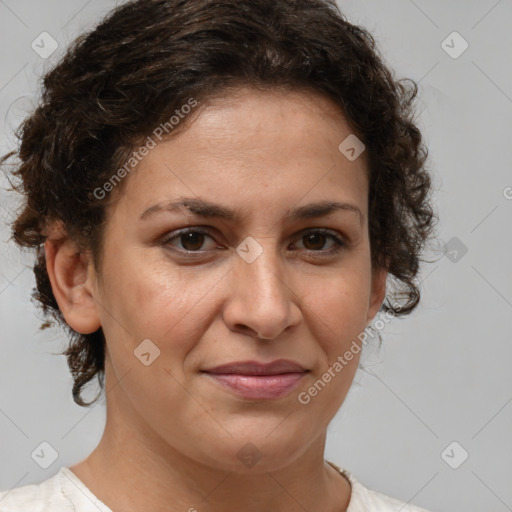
<point x="207" y="209"/>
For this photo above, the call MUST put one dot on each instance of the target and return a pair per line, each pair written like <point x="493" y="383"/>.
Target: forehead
<point x="250" y="119"/>
<point x="253" y="148"/>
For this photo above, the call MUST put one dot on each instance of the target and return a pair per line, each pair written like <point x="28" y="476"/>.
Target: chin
<point x="254" y="455"/>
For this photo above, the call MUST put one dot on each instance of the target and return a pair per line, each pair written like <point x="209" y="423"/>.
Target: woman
<point x="217" y="192"/>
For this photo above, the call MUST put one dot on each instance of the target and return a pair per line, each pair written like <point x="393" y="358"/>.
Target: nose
<point x="260" y="302"/>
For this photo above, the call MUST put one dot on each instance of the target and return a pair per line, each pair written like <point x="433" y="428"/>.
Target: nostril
<point x="243" y="328"/>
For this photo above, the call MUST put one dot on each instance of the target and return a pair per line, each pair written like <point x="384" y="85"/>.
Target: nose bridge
<point x="260" y="267"/>
<point x="261" y="298"/>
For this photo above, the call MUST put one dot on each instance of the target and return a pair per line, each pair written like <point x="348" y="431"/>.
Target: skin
<point x="171" y="431"/>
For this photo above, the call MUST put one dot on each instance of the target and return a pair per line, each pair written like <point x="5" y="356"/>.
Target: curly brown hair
<point x="119" y="81"/>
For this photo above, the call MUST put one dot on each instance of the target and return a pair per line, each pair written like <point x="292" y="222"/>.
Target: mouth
<point x="258" y="381"/>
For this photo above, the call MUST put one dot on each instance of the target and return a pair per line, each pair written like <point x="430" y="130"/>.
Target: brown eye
<point x="314" y="241"/>
<point x="191" y="240"/>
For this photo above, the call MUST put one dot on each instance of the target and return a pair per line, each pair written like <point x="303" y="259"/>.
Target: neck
<point x="133" y="470"/>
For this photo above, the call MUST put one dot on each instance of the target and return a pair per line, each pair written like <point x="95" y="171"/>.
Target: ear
<point x="378" y="293"/>
<point x="73" y="279"/>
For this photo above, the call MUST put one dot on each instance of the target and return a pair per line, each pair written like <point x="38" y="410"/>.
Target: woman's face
<point x="258" y="277"/>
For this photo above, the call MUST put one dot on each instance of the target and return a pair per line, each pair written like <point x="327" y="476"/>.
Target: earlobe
<point x="378" y="293"/>
<point x="72" y="286"/>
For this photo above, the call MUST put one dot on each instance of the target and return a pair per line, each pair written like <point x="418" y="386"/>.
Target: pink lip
<point x="259" y="387"/>
<point x="276" y="367"/>
<point x="254" y="380"/>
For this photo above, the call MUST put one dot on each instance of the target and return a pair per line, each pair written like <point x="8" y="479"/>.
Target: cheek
<point x="337" y="310"/>
<point x="340" y="305"/>
<point x="150" y="297"/>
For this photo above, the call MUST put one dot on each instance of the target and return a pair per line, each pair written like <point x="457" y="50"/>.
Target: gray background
<point x="443" y="374"/>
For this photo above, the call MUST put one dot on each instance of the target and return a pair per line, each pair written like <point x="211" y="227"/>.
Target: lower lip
<point x="259" y="386"/>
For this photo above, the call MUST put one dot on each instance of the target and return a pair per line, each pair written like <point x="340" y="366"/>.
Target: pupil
<point x="194" y="239"/>
<point x="315" y="236"/>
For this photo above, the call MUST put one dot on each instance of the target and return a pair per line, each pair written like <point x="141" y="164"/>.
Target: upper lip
<point x="276" y="367"/>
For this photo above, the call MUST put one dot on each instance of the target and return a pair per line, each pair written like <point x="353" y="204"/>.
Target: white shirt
<point x="65" y="492"/>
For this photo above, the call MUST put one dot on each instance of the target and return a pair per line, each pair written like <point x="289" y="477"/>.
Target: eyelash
<point x="338" y="246"/>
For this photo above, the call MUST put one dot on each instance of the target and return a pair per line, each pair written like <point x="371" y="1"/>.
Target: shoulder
<point x="46" y="495"/>
<point x="63" y="492"/>
<point x="363" y="499"/>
